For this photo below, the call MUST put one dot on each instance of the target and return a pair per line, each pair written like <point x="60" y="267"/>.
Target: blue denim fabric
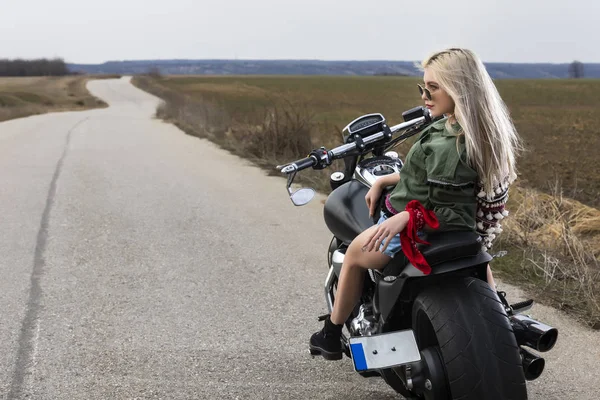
<point x="394" y="246"/>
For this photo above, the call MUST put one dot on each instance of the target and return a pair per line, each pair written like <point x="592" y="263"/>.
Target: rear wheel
<point x="466" y="321"/>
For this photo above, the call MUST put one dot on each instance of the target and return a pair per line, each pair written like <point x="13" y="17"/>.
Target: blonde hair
<point x="491" y="139"/>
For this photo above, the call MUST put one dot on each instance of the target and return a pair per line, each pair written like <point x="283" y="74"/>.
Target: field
<point x="557" y="119"/>
<point x="553" y="235"/>
<point x="21" y="97"/>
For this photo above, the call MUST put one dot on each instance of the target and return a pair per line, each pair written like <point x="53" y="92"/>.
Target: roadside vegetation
<point x="22" y="97"/>
<point x="37" y="86"/>
<point x="553" y="233"/>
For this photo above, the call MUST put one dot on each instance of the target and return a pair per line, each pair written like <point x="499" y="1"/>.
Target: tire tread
<point x="476" y="340"/>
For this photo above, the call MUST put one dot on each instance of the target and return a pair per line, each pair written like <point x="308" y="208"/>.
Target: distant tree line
<point x="391" y="74"/>
<point x="37" y="67"/>
<point x="576" y="70"/>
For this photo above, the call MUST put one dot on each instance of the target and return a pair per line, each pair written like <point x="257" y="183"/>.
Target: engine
<point x="365" y="324"/>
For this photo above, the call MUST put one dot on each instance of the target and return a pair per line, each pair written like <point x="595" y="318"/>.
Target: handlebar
<point x="299" y="165"/>
<point x="322" y="157"/>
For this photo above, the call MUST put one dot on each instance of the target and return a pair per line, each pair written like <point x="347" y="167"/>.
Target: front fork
<point x="329" y="283"/>
<point x="335" y="259"/>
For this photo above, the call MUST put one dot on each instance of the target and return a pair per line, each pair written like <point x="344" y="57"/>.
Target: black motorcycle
<point x="446" y="335"/>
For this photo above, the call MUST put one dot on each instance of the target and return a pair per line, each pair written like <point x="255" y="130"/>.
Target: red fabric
<point x="419" y="217"/>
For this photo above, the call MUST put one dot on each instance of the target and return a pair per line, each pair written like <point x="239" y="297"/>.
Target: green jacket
<point x="436" y="173"/>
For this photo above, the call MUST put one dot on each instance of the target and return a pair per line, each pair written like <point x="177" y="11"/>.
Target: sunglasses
<point x="424" y="90"/>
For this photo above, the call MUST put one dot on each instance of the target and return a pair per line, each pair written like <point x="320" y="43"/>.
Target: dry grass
<point x="557" y="119"/>
<point x="558" y="240"/>
<point x="277" y="131"/>
<point x="21" y="97"/>
<point x="554" y="241"/>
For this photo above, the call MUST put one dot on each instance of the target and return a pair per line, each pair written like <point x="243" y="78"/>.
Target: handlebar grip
<point x="306" y="163"/>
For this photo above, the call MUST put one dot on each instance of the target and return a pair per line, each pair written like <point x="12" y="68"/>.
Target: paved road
<point x="141" y="263"/>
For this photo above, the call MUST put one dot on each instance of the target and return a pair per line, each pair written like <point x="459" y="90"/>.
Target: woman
<point x="455" y="177"/>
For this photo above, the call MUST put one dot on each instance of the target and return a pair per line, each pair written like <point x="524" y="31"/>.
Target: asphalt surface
<point x="142" y="263"/>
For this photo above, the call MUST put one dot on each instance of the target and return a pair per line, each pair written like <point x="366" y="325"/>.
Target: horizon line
<point x="307" y="59"/>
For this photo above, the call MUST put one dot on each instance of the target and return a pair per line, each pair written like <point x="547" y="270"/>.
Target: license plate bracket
<point x="384" y="351"/>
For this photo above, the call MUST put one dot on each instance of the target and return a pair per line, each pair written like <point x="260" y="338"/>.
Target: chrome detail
<point x="341" y="150"/>
<point x="368" y="177"/>
<point x="372" y="273"/>
<point x="299" y="197"/>
<point x="337" y="176"/>
<point x="377" y="136"/>
<point x="329" y="289"/>
<point x="409" y="381"/>
<point x="365" y="324"/>
<point x="302" y="196"/>
<point x="289" y="169"/>
<point x="408" y="124"/>
<point x="392" y="154"/>
<point x="337" y="259"/>
<point x="358" y="175"/>
<point x="428" y="384"/>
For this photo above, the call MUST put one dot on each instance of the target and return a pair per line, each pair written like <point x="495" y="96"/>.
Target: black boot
<point x="327" y="342"/>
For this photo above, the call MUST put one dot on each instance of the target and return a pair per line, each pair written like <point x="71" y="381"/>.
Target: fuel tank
<point x="346" y="213"/>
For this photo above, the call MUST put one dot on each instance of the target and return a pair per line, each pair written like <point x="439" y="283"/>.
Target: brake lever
<point x="288" y="169"/>
<point x="282" y="166"/>
<point x="290" y="180"/>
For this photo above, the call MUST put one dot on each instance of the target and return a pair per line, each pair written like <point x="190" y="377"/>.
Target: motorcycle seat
<point x="444" y="247"/>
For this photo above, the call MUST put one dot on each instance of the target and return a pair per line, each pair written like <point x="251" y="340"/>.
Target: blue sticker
<point x="358" y="356"/>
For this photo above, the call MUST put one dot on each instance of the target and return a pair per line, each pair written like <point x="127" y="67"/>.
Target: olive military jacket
<point x="436" y="173"/>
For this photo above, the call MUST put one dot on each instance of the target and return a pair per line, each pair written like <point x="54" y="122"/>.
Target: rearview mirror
<point x="302" y="196"/>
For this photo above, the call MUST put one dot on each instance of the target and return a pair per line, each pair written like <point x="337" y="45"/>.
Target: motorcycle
<point x="446" y="335"/>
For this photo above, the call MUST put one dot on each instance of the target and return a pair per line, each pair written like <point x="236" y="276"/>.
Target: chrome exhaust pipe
<point x="532" y="333"/>
<point x="533" y="366"/>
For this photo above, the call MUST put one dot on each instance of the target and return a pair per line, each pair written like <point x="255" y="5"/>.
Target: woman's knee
<point x="354" y="251"/>
<point x="357" y="258"/>
<point x="352" y="256"/>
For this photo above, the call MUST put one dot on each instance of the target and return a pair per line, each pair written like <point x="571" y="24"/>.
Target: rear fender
<point x="390" y="289"/>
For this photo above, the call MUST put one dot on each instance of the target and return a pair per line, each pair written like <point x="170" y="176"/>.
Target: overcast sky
<point x="83" y="31"/>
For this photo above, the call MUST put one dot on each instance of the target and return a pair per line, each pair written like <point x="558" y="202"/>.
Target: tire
<point x="466" y="319"/>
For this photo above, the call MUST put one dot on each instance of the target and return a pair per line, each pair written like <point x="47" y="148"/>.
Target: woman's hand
<point x="374" y="193"/>
<point x="372" y="198"/>
<point x="386" y="231"/>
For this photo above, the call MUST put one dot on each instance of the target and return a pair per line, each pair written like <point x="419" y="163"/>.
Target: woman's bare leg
<point x="351" y="278"/>
<point x="490" y="278"/>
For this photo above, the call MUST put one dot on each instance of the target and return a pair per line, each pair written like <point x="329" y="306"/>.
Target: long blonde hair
<point x="491" y="139"/>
